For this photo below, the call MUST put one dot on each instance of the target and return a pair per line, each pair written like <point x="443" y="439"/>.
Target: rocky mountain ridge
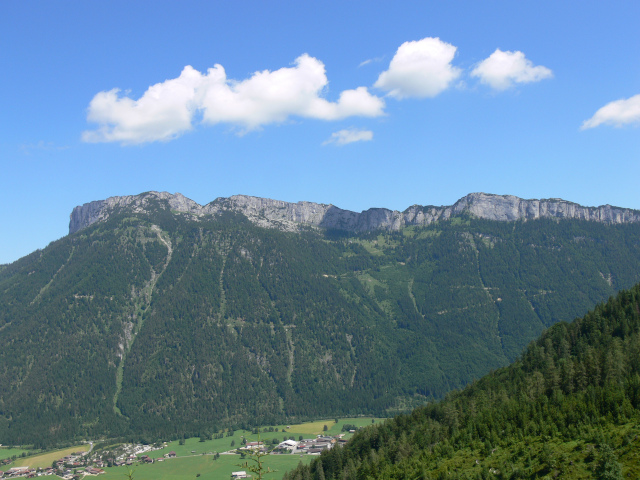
<point x="289" y="216"/>
<point x="178" y="320"/>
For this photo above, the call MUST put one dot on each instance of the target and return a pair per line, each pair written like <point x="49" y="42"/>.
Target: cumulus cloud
<point x="420" y="69"/>
<point x="269" y="97"/>
<point x="166" y="110"/>
<point x="618" y="113"/>
<point x="349" y="135"/>
<point x="162" y="113"/>
<point x="503" y="69"/>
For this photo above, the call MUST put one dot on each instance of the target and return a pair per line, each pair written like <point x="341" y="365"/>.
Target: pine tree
<point x="608" y="467"/>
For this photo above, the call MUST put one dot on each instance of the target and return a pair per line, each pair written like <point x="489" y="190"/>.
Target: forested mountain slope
<point x="157" y="323"/>
<point x="568" y="408"/>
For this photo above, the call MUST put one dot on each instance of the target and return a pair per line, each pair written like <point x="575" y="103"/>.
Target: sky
<point x="353" y="103"/>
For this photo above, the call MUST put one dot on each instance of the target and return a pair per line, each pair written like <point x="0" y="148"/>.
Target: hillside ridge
<point x="288" y="216"/>
<point x="568" y="407"/>
<point x="160" y="320"/>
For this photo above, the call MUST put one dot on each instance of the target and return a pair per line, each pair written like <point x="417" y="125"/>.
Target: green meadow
<point x="196" y="458"/>
<point x="10" y="452"/>
<point x="193" y="446"/>
<point x="203" y="467"/>
<point x="317" y="428"/>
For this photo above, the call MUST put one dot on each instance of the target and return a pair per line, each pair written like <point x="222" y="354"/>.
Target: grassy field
<point x="205" y="465"/>
<point x="194" y="457"/>
<point x="46" y="459"/>
<point x="10" y="452"/>
<point x="193" y="446"/>
<point x="311" y="428"/>
<point x="317" y="428"/>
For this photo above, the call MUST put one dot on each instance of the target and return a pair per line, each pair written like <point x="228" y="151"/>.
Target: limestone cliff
<point x="292" y="216"/>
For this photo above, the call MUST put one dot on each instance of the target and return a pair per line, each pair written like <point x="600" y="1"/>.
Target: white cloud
<point x="269" y="97"/>
<point x="617" y="113"/>
<point x="370" y="60"/>
<point x="502" y="69"/>
<point x="420" y="69"/>
<point x="162" y="113"/>
<point x="167" y="109"/>
<point x="349" y="135"/>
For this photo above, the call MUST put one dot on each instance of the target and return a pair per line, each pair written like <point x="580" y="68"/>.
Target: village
<point x="79" y="464"/>
<point x="311" y="446"/>
<point x="67" y="467"/>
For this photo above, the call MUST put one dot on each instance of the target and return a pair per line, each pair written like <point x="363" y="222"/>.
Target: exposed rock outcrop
<point x="291" y="216"/>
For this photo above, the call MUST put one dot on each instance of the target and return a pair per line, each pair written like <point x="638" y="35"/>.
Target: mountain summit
<point x="158" y="317"/>
<point x="288" y="216"/>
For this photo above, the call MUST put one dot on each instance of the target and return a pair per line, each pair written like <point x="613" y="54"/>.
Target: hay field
<point x="46" y="459"/>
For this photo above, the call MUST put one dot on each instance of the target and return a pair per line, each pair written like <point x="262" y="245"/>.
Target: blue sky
<point x="356" y="103"/>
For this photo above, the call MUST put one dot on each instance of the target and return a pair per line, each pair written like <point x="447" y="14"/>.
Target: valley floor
<point x="212" y="459"/>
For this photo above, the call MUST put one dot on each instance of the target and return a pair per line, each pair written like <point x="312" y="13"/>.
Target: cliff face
<point x="291" y="216"/>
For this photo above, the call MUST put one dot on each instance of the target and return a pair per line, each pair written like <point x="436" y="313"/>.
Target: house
<point x="240" y="474"/>
<point x="288" y="444"/>
<point x="171" y="454"/>
<point x="94" y="471"/>
<point x="17" y="471"/>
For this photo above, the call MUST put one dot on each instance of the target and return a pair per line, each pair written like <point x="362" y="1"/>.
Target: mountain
<point x="292" y="216"/>
<point x="157" y="317"/>
<point x="567" y="408"/>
